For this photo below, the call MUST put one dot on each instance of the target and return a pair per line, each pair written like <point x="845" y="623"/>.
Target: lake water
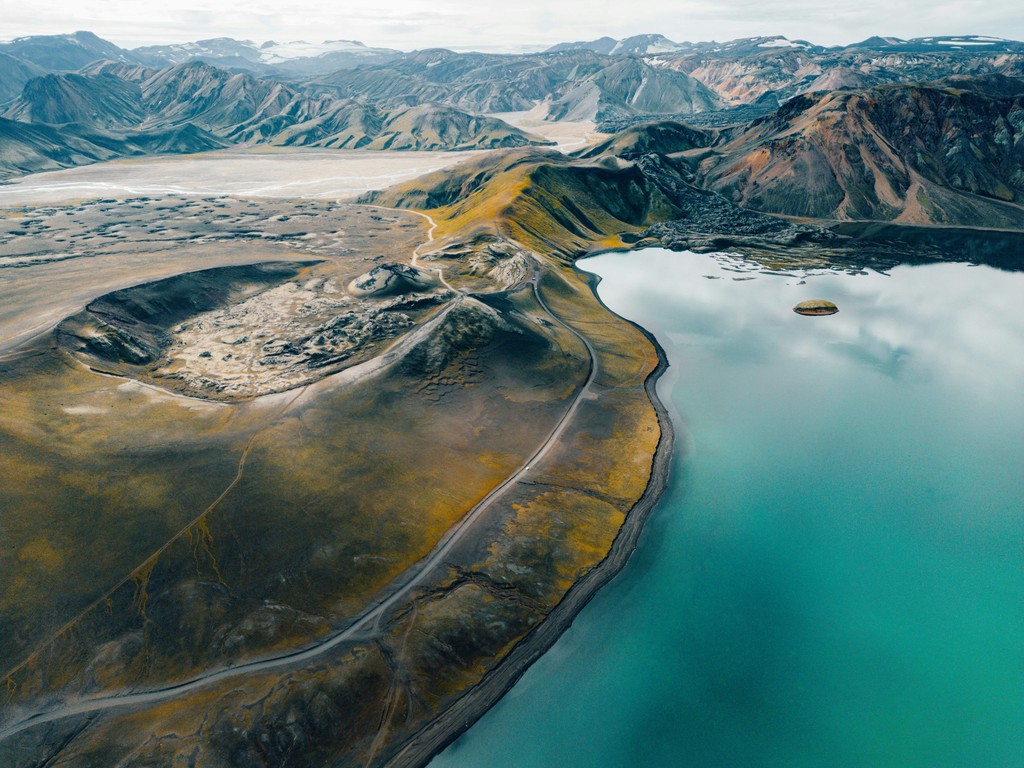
<point x="835" y="577"/>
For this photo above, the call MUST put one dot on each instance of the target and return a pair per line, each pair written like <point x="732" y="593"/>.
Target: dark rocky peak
<point x="663" y="137"/>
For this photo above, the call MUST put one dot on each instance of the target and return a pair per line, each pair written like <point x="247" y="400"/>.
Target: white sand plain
<point x="282" y="172"/>
<point x="568" y="136"/>
<point x="322" y="174"/>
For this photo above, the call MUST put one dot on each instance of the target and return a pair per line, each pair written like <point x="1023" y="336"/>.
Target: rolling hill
<point x="566" y="206"/>
<point x="545" y="200"/>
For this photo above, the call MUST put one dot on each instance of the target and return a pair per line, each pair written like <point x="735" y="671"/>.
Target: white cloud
<point x="500" y="24"/>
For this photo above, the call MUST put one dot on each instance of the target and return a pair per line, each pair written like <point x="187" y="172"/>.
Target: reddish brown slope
<point x="949" y="153"/>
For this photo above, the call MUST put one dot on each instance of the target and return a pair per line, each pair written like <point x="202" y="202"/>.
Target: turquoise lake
<point x="835" y="578"/>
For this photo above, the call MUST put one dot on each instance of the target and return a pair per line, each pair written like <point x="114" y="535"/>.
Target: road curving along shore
<point x="544" y="299"/>
<point x="458" y="718"/>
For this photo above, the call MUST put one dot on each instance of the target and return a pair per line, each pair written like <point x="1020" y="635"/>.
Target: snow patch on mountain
<point x="275" y="53"/>
<point x="781" y="42"/>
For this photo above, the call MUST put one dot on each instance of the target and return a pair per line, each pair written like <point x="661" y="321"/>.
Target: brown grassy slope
<point x="542" y="199"/>
<point x="342" y="493"/>
<point x="363" y="702"/>
<point x="948" y="153"/>
<point x="127" y="569"/>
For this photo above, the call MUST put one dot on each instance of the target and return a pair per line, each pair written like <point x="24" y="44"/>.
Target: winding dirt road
<point x="366" y="624"/>
<point x="430" y="239"/>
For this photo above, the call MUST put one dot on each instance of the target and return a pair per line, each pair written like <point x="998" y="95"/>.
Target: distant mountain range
<point x="743" y="71"/>
<point x="576" y="85"/>
<point x="929" y="130"/>
<point x="293" y="59"/>
<point x="66" y="53"/>
<point x="63" y="53"/>
<point x="301" y="59"/>
<point x="950" y="152"/>
<point x="117" y="101"/>
<point x="638" y="45"/>
<point x="947" y="153"/>
<point x="603" y="80"/>
<point x="651" y="45"/>
<point x="110" y="109"/>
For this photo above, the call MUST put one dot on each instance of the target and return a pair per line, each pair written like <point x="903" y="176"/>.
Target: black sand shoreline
<point x="457" y="719"/>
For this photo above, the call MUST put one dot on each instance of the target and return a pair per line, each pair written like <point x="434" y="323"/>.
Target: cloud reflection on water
<point x="951" y="321"/>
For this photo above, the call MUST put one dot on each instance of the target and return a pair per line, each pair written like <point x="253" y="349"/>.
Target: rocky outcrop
<point x="708" y="221"/>
<point x="391" y="279"/>
<point x="815" y="307"/>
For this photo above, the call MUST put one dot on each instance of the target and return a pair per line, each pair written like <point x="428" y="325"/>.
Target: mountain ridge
<point x="580" y="85"/>
<point x="731" y="73"/>
<point x="950" y="152"/>
<point x="123" y="109"/>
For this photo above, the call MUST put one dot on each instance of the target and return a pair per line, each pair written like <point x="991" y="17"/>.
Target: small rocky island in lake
<point x="815" y="307"/>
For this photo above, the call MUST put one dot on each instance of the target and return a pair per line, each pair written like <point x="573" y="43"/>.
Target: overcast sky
<point x="509" y="25"/>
